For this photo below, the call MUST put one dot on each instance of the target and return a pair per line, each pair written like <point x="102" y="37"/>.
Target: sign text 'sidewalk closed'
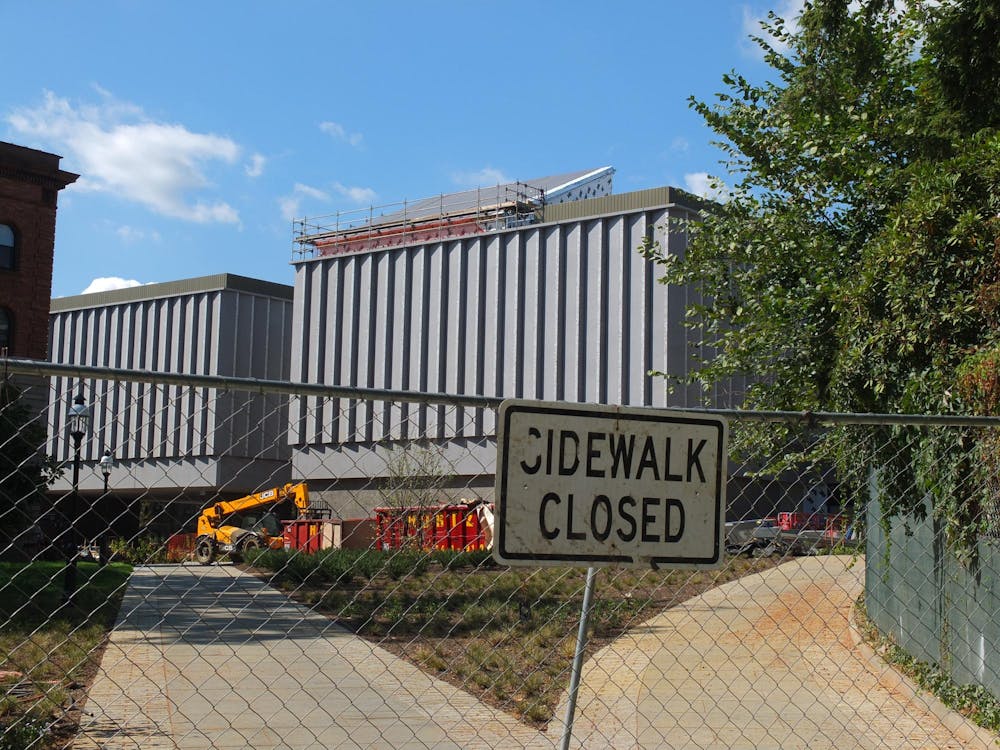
<point x="606" y="485"/>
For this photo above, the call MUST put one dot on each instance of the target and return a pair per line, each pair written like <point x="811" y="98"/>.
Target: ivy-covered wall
<point x="937" y="608"/>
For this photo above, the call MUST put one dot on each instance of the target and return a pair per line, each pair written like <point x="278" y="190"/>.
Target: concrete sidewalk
<point x="768" y="661"/>
<point x="209" y="657"/>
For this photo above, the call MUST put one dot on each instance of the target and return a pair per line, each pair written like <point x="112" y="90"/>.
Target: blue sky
<point x="201" y="128"/>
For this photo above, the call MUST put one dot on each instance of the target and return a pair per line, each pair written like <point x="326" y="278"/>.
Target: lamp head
<point x="79" y="419"/>
<point x="107" y="461"/>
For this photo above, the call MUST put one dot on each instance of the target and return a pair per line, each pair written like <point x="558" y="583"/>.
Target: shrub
<point x="453" y="559"/>
<point x="479" y="558"/>
<point x="139" y="551"/>
<point x="21" y="733"/>
<point x="405" y="562"/>
<point x="267" y="559"/>
<point x="449" y="559"/>
<point x="369" y="563"/>
<point x="337" y="566"/>
<point x="301" y="567"/>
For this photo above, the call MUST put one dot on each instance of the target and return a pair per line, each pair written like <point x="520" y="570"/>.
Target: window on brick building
<point x="6" y="326"/>
<point x="7" y="259"/>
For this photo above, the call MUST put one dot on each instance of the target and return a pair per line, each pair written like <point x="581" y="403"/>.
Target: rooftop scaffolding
<point x="444" y="216"/>
<point x="396" y="224"/>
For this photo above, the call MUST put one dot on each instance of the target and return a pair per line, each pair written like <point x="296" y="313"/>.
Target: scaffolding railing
<point x="395" y="224"/>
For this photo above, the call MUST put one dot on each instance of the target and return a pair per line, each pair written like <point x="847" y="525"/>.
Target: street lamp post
<point x="78" y="421"/>
<point x="107" y="461"/>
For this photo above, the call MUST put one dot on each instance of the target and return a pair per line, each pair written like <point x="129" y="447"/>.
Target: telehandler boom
<point x="231" y="526"/>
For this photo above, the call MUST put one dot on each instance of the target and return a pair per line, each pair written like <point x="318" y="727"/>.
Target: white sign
<point x="581" y="484"/>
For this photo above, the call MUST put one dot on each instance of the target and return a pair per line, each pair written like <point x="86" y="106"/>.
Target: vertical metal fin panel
<point x="211" y="332"/>
<point x="566" y="311"/>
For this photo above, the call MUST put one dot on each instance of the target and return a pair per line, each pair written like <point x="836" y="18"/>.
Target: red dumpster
<point x="304" y="534"/>
<point x="807" y="521"/>
<point x="790" y="521"/>
<point x="180" y="547"/>
<point x="446" y="527"/>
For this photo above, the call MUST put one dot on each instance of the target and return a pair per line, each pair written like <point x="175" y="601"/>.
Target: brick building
<point x="30" y="180"/>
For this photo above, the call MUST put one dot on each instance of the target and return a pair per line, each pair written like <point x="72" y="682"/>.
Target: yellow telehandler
<point x="235" y="526"/>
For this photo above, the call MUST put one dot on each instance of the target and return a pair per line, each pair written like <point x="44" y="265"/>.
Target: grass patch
<point x="50" y="651"/>
<point x="974" y="702"/>
<point x="505" y="635"/>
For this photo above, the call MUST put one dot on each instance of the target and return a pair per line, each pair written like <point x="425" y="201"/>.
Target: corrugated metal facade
<point x="566" y="310"/>
<point x="217" y="325"/>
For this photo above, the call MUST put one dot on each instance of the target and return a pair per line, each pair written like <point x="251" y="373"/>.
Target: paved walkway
<point x="207" y="657"/>
<point x="768" y="661"/>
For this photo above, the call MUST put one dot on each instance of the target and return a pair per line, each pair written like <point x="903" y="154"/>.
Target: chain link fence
<point x="193" y="568"/>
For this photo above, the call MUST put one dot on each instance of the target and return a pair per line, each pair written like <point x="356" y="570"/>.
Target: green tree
<point x="856" y="264"/>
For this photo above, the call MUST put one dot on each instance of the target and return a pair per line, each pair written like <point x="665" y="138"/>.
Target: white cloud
<point x="311" y="192"/>
<point x="680" y="144"/>
<point x="218" y="213"/>
<point x="121" y="151"/>
<point x="110" y="283"/>
<point x="290" y="204"/>
<point x="485" y="177"/>
<point x="338" y="131"/>
<point x="356" y="194"/>
<point x="289" y="207"/>
<point x="789" y="10"/>
<point x="132" y="235"/>
<point x="705" y="186"/>
<point x="255" y="167"/>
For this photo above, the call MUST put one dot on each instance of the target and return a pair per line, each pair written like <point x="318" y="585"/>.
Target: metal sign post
<point x="595" y="485"/>
<point x="581" y="646"/>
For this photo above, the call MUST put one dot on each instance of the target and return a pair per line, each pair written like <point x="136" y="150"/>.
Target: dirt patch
<point x="808" y="615"/>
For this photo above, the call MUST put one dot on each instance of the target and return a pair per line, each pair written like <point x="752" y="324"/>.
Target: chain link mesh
<point x="382" y="621"/>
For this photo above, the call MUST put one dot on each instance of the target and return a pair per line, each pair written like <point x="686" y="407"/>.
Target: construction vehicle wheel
<point x="251" y="543"/>
<point x="204" y="551"/>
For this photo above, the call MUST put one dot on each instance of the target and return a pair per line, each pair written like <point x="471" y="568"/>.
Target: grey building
<point x="503" y="294"/>
<point x="171" y="441"/>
